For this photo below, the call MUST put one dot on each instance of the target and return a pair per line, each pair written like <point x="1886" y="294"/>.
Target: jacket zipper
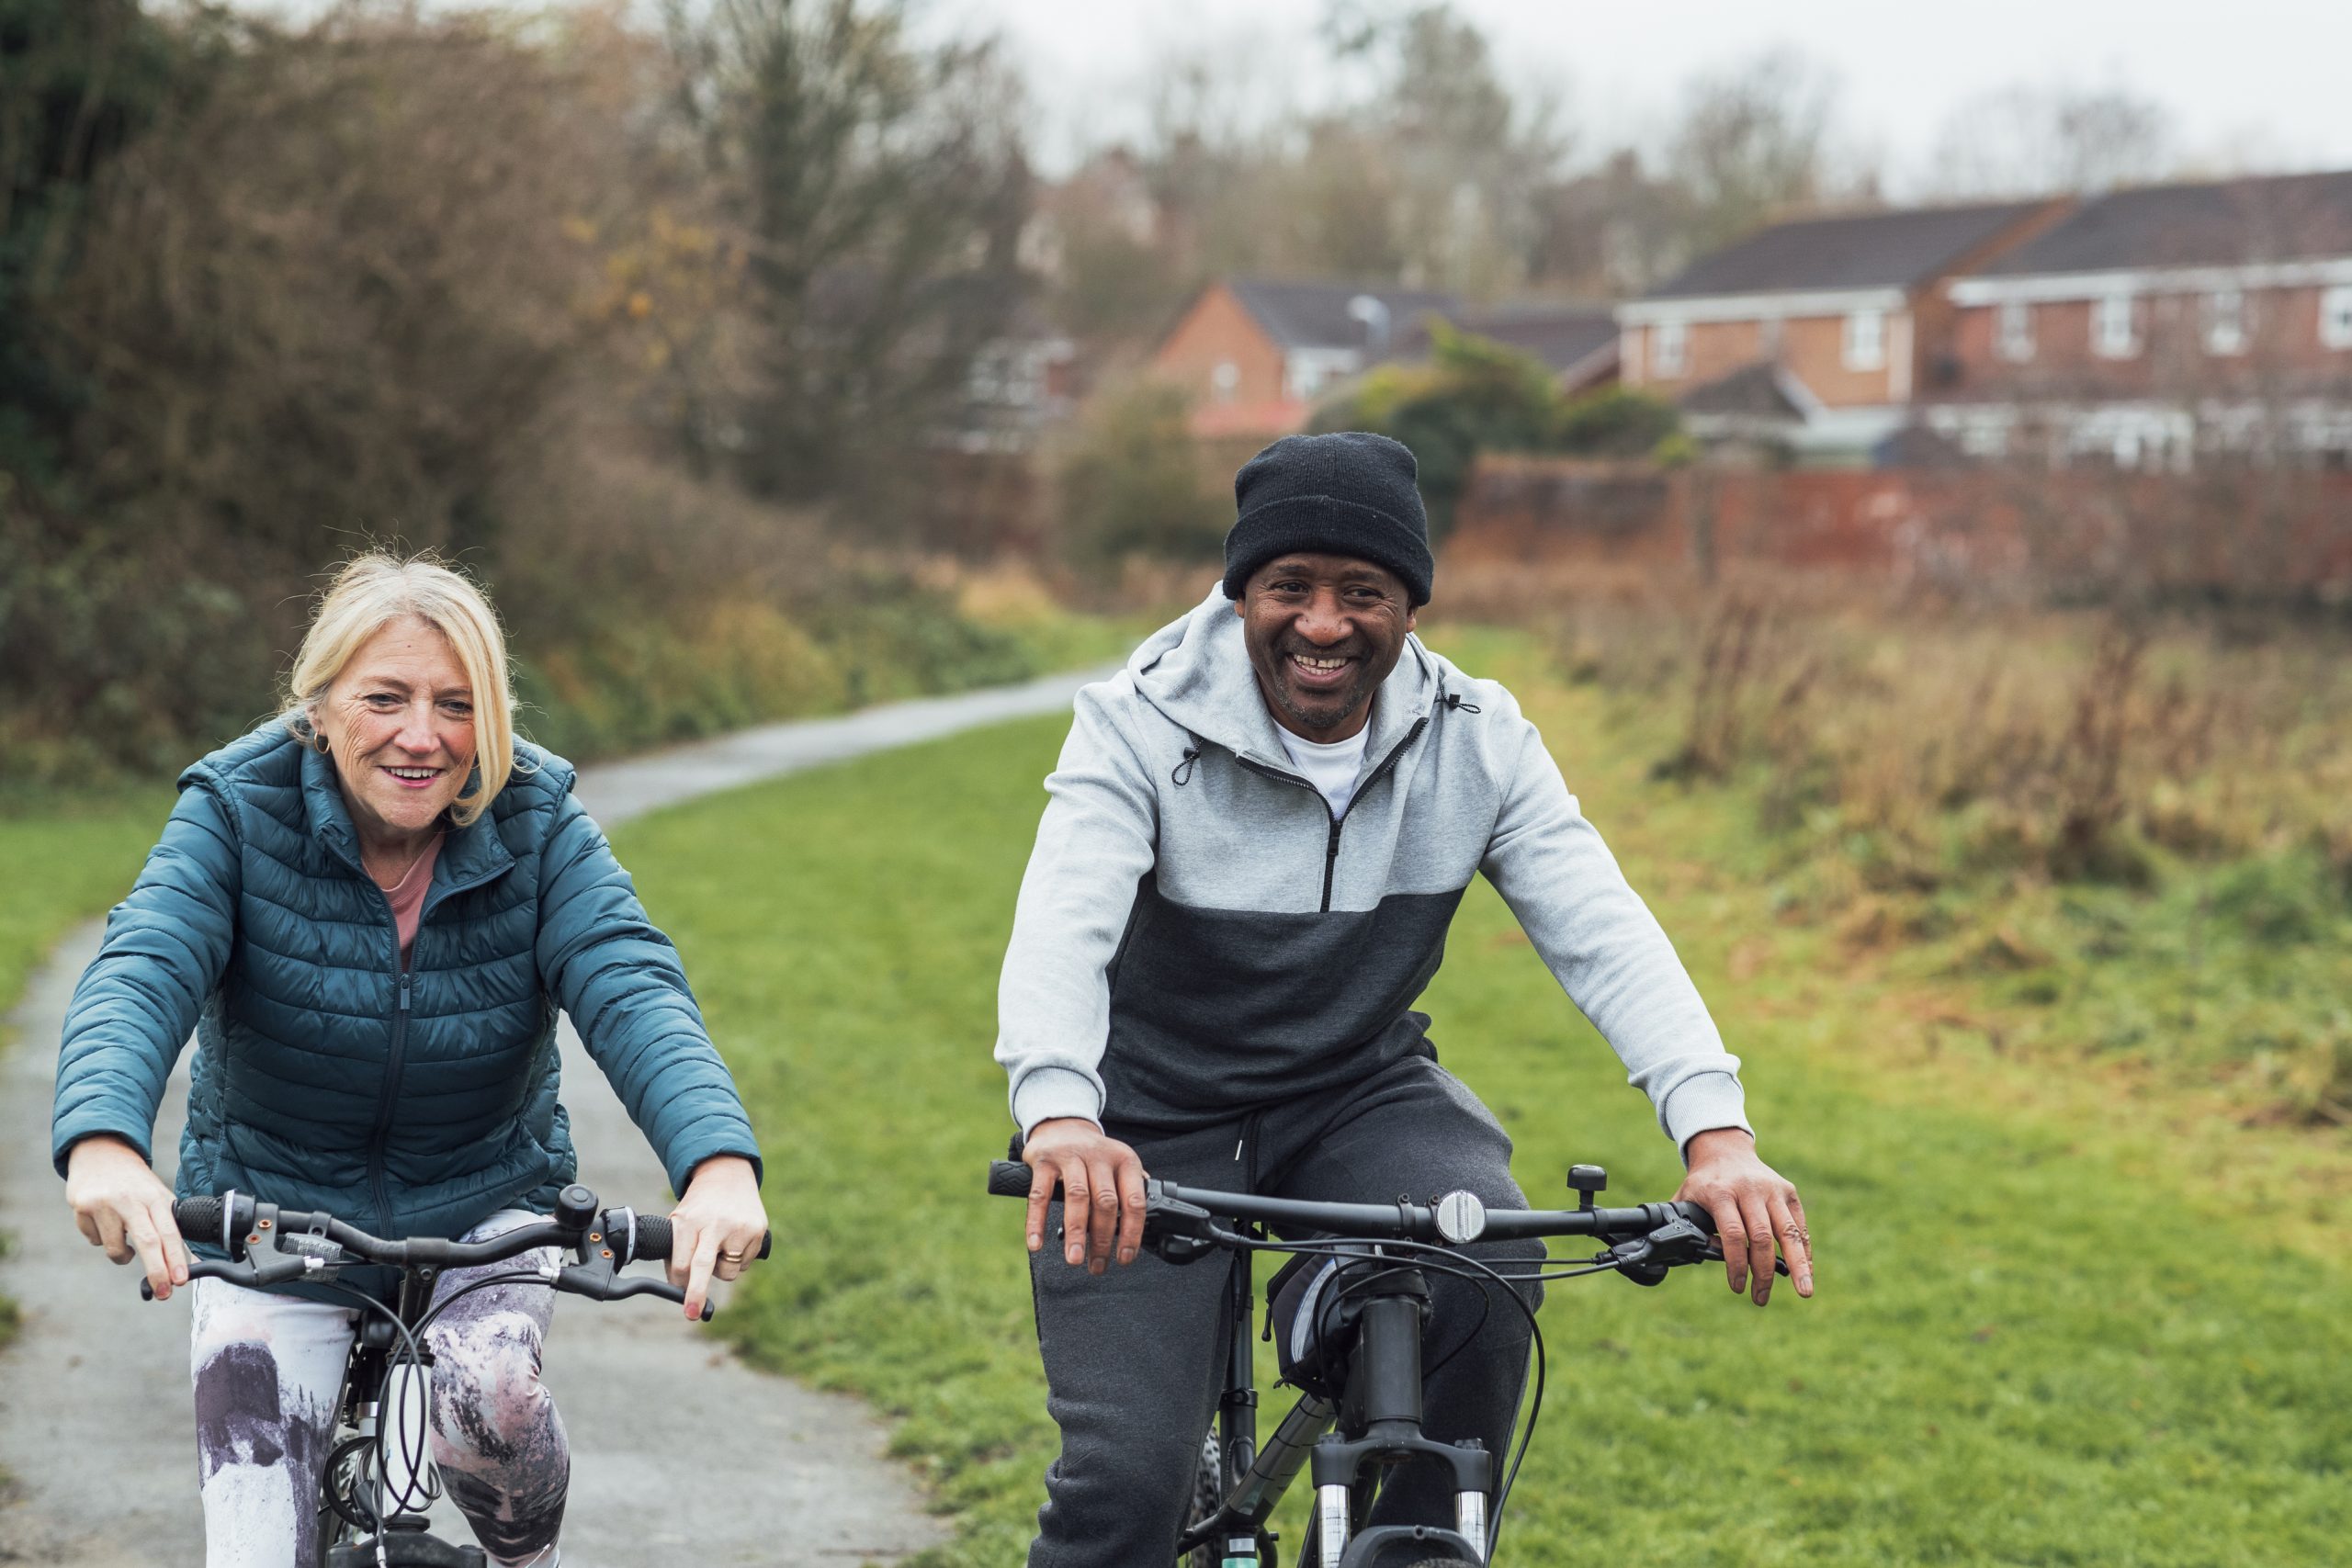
<point x="1331" y="845"/>
<point x="392" y="1065"/>
<point x="397" y="1057"/>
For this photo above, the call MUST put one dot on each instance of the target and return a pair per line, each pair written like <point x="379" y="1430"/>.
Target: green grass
<point x="61" y="862"/>
<point x="2054" y="1323"/>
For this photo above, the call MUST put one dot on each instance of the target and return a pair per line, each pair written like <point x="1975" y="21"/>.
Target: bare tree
<point x="1753" y="142"/>
<point x="879" y="187"/>
<point x="1468" y="158"/>
<point x="2024" y="140"/>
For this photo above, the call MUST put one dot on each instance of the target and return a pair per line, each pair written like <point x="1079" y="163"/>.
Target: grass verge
<point x="2056" y="1322"/>
<point x="66" y="859"/>
<point x="62" y="862"/>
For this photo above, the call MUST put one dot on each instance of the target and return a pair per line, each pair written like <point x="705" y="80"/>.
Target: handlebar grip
<point x="654" y="1234"/>
<point x="198" y="1218"/>
<point x="652" y="1243"/>
<point x="1011" y="1179"/>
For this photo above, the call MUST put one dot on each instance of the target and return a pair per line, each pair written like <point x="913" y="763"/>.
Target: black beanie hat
<point x="1346" y="495"/>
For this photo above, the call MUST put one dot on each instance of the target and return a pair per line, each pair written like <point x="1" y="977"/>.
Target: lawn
<point x="63" y="861"/>
<point x="2066" y="1314"/>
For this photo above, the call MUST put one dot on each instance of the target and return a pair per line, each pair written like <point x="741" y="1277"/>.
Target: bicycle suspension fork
<point x="1384" y="1402"/>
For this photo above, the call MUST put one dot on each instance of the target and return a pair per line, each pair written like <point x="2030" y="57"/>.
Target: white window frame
<point x="2013" y="330"/>
<point x="1224" y="381"/>
<point x="2226" y="321"/>
<point x="1865" y="340"/>
<point x="2107" y="312"/>
<point x="2335" y="317"/>
<point x="1670" y="347"/>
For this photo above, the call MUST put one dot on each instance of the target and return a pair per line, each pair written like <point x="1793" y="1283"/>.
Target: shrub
<point x="1135" y="486"/>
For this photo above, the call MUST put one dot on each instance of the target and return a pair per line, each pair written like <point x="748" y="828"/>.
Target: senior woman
<point x="370" y="909"/>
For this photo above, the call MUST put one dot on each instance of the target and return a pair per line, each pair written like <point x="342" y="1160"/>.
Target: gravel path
<point x="95" y="1427"/>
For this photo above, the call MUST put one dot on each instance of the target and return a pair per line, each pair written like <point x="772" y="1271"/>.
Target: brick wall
<point x="2261" y="533"/>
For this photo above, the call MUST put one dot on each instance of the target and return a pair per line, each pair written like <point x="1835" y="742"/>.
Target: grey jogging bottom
<point x="1134" y="1358"/>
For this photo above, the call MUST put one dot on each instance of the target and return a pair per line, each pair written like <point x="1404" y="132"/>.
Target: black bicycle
<point x="1348" y="1314"/>
<point x="372" y="1494"/>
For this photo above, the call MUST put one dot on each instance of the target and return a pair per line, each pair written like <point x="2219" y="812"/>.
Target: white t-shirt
<point x="1331" y="769"/>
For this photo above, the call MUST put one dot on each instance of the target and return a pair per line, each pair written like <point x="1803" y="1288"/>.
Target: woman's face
<point x="399" y="723"/>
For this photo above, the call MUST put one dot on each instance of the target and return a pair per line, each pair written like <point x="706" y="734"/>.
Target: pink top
<point x="407" y="896"/>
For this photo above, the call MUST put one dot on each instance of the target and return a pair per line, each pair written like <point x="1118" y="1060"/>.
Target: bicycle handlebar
<point x="1382" y="1222"/>
<point x="314" y="1244"/>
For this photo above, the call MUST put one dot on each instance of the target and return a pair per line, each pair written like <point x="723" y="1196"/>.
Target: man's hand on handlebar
<point x="1103" y="1197"/>
<point x="1753" y="1206"/>
<point x="123" y="1206"/>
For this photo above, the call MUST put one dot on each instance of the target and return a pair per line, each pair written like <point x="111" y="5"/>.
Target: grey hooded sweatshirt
<point x="1198" y="936"/>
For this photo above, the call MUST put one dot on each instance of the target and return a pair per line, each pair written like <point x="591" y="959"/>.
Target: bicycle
<point x="1350" y="1338"/>
<point x="372" y="1494"/>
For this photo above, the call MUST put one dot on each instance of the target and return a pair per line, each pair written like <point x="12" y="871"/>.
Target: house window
<point x="1667" y="340"/>
<point x="2114" y="327"/>
<point x="2226" y="321"/>
<point x="2335" y="317"/>
<point x="2014" y="331"/>
<point x="1224" y="381"/>
<point x="1866" y="339"/>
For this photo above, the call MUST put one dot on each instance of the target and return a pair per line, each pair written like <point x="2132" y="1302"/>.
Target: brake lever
<point x="1175" y="1231"/>
<point x="251" y="1276"/>
<point x="598" y="1279"/>
<point x="1646" y="1260"/>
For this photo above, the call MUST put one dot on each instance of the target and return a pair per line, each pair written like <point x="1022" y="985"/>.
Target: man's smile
<point x="1319" y="671"/>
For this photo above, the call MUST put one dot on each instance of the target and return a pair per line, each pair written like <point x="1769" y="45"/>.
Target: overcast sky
<point x="2259" y="84"/>
<point x="2256" y="84"/>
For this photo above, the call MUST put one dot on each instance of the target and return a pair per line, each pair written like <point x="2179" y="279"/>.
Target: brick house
<point x="1820" y="334"/>
<point x="1576" y="343"/>
<point x="1256" y="353"/>
<point x="2156" y="326"/>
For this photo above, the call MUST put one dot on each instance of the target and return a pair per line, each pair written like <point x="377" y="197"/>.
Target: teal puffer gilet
<point x="413" y="1104"/>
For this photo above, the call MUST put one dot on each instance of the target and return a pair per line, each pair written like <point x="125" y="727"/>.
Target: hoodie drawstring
<point x="1454" y="700"/>
<point x="1181" y="774"/>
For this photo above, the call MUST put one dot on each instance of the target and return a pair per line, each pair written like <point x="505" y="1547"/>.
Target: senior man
<point x="1254" y="842"/>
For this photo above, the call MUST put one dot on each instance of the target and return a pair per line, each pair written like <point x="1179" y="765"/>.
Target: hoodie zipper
<point x="1331" y="845"/>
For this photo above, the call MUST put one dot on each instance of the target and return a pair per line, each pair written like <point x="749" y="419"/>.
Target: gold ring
<point x="731" y="1258"/>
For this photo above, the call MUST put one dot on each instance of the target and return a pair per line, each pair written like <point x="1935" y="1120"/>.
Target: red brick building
<point x="2157" y="325"/>
<point x="1821" y="334"/>
<point x="1257" y="353"/>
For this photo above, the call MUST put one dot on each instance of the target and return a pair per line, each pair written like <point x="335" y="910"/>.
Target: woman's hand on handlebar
<point x="122" y="1206"/>
<point x="1103" y="1199"/>
<point x="1753" y="1206"/>
<point x="716" y="1228"/>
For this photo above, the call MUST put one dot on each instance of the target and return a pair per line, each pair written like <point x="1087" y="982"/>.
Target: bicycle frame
<point x="359" y="1411"/>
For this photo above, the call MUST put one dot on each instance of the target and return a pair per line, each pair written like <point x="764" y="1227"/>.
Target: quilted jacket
<point x="411" y="1104"/>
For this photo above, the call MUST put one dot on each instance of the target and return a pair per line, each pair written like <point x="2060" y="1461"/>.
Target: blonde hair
<point x="371" y="592"/>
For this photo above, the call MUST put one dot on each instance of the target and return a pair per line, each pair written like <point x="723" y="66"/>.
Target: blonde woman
<point x="369" y="910"/>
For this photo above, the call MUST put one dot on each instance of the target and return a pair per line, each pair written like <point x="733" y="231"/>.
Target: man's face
<point x="1323" y="633"/>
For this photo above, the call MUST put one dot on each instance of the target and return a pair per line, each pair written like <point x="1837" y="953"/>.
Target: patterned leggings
<point x="268" y="1369"/>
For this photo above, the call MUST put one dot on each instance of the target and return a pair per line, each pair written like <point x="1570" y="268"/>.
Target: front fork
<point x="1385" y="1400"/>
